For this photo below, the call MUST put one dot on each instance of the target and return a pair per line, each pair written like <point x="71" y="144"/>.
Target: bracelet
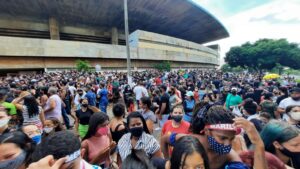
<point x="173" y="139"/>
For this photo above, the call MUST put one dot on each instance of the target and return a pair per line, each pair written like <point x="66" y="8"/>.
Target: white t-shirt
<point x="288" y="102"/>
<point x="72" y="90"/>
<point x="139" y="91"/>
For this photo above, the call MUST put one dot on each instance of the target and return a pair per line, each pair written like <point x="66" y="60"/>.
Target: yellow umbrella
<point x="271" y="76"/>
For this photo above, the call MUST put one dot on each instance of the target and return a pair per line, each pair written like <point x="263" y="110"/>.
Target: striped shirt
<point x="146" y="142"/>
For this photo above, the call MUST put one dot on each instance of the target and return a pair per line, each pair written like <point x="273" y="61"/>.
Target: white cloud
<point x="276" y="19"/>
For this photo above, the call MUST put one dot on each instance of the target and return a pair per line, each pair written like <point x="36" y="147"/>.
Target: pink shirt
<point x="96" y="144"/>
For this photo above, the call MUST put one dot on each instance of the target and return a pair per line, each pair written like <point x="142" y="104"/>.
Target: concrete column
<point x="114" y="36"/>
<point x="54" y="28"/>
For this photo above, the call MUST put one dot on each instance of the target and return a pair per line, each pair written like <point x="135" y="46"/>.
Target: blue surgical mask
<point x="14" y="163"/>
<point x="37" y="139"/>
<point x="221" y="149"/>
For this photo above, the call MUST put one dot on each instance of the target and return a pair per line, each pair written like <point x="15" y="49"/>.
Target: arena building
<point x="39" y="35"/>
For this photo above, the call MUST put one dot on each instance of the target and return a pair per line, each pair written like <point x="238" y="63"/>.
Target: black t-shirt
<point x="84" y="117"/>
<point x="165" y="99"/>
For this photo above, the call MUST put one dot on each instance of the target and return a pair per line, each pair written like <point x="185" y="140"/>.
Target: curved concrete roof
<point x="178" y="18"/>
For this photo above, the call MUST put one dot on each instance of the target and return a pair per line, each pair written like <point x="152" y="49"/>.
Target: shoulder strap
<point x="117" y="127"/>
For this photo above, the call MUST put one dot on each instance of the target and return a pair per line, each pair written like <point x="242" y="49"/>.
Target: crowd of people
<point x="205" y="120"/>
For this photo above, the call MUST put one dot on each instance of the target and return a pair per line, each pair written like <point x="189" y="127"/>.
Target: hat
<point x="296" y="90"/>
<point x="189" y="93"/>
<point x="234" y="88"/>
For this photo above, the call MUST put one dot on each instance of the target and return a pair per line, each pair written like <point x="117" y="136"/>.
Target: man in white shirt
<point x="294" y="99"/>
<point x="140" y="91"/>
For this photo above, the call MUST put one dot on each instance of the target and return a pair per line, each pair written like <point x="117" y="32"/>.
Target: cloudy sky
<point x="250" y="20"/>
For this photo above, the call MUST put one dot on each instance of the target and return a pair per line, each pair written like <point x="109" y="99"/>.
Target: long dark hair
<point x="95" y="120"/>
<point x="137" y="159"/>
<point x="21" y="140"/>
<point x="185" y="146"/>
<point x="31" y="105"/>
<point x="137" y="115"/>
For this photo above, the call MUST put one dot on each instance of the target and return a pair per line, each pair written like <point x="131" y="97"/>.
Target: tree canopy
<point x="265" y="54"/>
<point x="82" y="65"/>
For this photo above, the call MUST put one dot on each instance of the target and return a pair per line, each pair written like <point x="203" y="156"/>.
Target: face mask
<point x="136" y="131"/>
<point x="102" y="131"/>
<point x="48" y="129"/>
<point x="37" y="139"/>
<point x="84" y="105"/>
<point x="295" y="115"/>
<point x="80" y="94"/>
<point x="4" y="122"/>
<point x="233" y="92"/>
<point x="177" y="118"/>
<point x="221" y="149"/>
<point x="295" y="157"/>
<point x="14" y="163"/>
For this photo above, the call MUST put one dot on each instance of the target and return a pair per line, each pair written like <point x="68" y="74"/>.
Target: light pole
<point x="127" y="41"/>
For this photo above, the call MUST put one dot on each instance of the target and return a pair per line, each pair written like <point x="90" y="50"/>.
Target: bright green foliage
<point x="163" y="66"/>
<point x="265" y="54"/>
<point x="82" y="65"/>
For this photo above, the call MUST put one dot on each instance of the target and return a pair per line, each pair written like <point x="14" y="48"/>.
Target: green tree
<point x="265" y="54"/>
<point x="163" y="66"/>
<point x="82" y="65"/>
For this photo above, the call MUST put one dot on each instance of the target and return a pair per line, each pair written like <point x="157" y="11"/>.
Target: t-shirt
<point x="139" y="92"/>
<point x="165" y="99"/>
<point x="233" y="100"/>
<point x="91" y="97"/>
<point x="149" y="115"/>
<point x="84" y="117"/>
<point x="11" y="108"/>
<point x="288" y="102"/>
<point x="182" y="129"/>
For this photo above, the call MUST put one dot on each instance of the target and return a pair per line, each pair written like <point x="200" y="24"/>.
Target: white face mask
<point x="48" y="129"/>
<point x="4" y="122"/>
<point x="295" y="115"/>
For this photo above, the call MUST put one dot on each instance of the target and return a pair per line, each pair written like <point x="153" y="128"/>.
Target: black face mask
<point x="136" y="131"/>
<point x="233" y="92"/>
<point x="295" y="157"/>
<point x="80" y="94"/>
<point x="177" y="118"/>
<point x="84" y="105"/>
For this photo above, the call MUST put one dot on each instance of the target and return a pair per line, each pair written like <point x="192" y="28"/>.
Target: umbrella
<point x="271" y="76"/>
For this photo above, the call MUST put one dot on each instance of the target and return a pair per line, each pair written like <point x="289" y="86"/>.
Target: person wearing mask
<point x="216" y="128"/>
<point x="282" y="140"/>
<point x="102" y="95"/>
<point x="4" y="120"/>
<point x="233" y="99"/>
<point x="16" y="149"/>
<point x="164" y="107"/>
<point x="83" y="116"/>
<point x="31" y="111"/>
<point x="149" y="116"/>
<point x="173" y="99"/>
<point x="12" y="111"/>
<point x="176" y="124"/>
<point x="283" y="93"/>
<point x="53" y="105"/>
<point x="294" y="99"/>
<point x="79" y="96"/>
<point x="188" y="105"/>
<point x="138" y="138"/>
<point x="117" y="125"/>
<point x="51" y="126"/>
<point x="33" y="132"/>
<point x="61" y="150"/>
<point x="293" y="113"/>
<point x="97" y="139"/>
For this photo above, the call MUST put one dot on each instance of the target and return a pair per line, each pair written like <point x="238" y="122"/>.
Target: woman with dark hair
<point x="82" y="119"/>
<point x="16" y="149"/>
<point x="149" y="116"/>
<point x="138" y="138"/>
<point x="267" y="105"/>
<point x="282" y="140"/>
<point x="117" y="125"/>
<point x="293" y="113"/>
<point x="97" y="137"/>
<point x="188" y="152"/>
<point x="51" y="126"/>
<point x="31" y="111"/>
<point x="188" y="105"/>
<point x="4" y="120"/>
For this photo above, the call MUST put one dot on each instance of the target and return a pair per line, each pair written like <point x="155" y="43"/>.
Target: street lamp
<point x="127" y="41"/>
